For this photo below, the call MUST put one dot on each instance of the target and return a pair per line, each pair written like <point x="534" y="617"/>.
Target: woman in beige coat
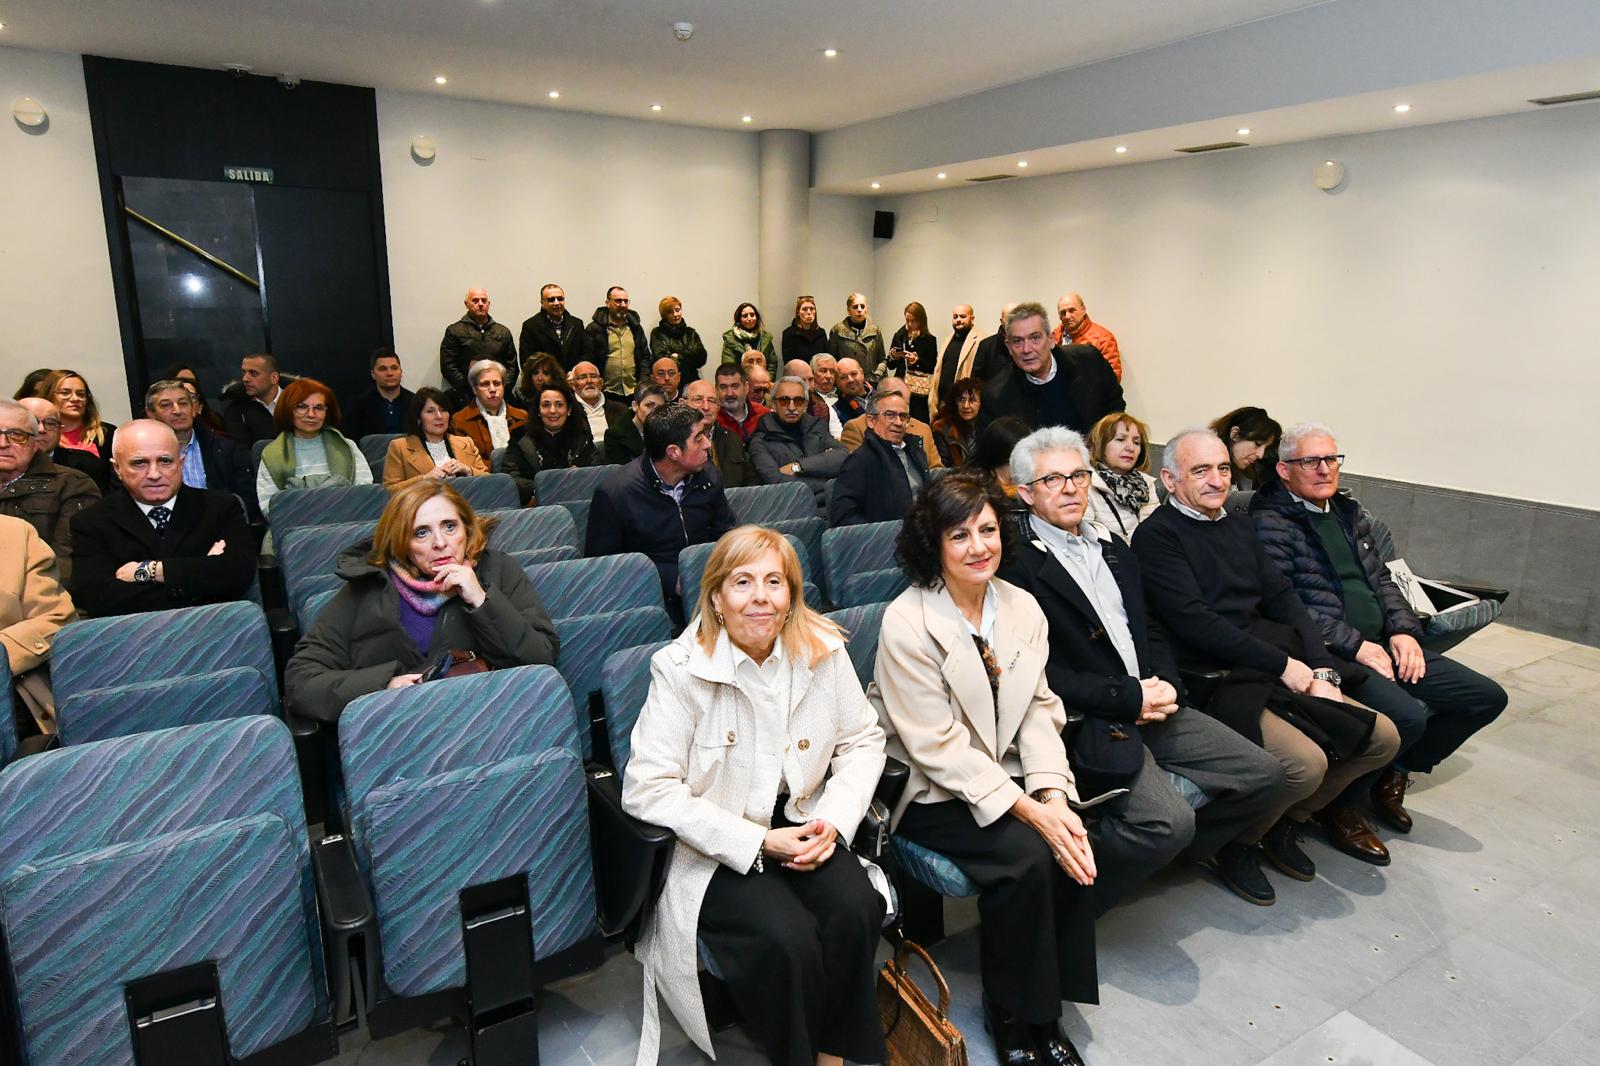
<point x="758" y="749"/>
<point x="960" y="686"/>
<point x="33" y="608"/>
<point x="428" y="449"/>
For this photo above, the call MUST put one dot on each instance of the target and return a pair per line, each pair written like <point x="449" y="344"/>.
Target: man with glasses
<point x="1110" y="663"/>
<point x="209" y="461"/>
<point x="792" y="443"/>
<point x="854" y="431"/>
<point x="1322" y="540"/>
<point x="596" y="407"/>
<point x="32" y="488"/>
<point x="616" y="341"/>
<point x="728" y="453"/>
<point x="1047" y="385"/>
<point x="1228" y="610"/>
<point x="879" y="479"/>
<point x="90" y="465"/>
<point x="553" y="330"/>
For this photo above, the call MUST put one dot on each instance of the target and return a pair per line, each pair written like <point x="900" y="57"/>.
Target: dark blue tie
<point x="161" y="516"/>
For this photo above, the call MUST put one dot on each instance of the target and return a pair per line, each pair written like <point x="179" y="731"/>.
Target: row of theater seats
<point x="176" y="844"/>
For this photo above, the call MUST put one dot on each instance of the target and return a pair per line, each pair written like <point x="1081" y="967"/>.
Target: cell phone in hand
<point x="436" y="669"/>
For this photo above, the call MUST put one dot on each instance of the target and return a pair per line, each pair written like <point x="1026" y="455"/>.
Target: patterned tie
<point x="160" y="516"/>
<point x="991" y="666"/>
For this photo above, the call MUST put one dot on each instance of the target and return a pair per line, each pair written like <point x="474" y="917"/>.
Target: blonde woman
<point x="81" y="427"/>
<point x="1123" y="493"/>
<point x="758" y="749"/>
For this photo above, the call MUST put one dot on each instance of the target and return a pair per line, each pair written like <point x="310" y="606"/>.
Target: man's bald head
<point x="147" y="459"/>
<point x="49" y="416"/>
<point x="797" y="368"/>
<point x="477" y="301"/>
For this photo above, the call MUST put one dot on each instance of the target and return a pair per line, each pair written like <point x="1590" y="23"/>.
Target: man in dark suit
<point x="247" y="415"/>
<point x="554" y="331"/>
<point x="1110" y="662"/>
<point x="1071" y="385"/>
<point x="160" y="544"/>
<point x="210" y="461"/>
<point x="878" y="480"/>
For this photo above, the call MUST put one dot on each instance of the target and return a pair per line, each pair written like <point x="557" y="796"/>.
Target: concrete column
<point x="784" y="242"/>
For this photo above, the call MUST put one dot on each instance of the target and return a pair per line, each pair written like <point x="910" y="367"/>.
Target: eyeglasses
<point x="50" y="423"/>
<point x="895" y="418"/>
<point x="1056" y="482"/>
<point x="310" y="409"/>
<point x="17" y="436"/>
<point x="790" y="401"/>
<point x="1311" y="462"/>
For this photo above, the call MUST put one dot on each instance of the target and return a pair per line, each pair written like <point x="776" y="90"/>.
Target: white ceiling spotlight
<point x="747" y="118"/>
<point x="655" y="107"/>
<point x="1022" y="164"/>
<point x="877" y="185"/>
<point x="1243" y="131"/>
<point x="1401" y="109"/>
<point x="831" y="53"/>
<point x="942" y="175"/>
<point x="1122" y="149"/>
<point x="440" y="79"/>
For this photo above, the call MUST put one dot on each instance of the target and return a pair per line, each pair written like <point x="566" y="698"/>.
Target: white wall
<point x="56" y="303"/>
<point x="1432" y="311"/>
<point x="518" y="197"/>
<point x="841" y="258"/>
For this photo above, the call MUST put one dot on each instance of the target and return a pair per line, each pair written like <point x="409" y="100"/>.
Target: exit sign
<point x="260" y="175"/>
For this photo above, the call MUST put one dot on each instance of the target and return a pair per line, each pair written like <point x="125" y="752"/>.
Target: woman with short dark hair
<point x="955" y="427"/>
<point x="749" y="334"/>
<point x="804" y="338"/>
<point x="675" y="339"/>
<point x="962" y="693"/>
<point x="555" y="437"/>
<point x="1252" y="438"/>
<point x="429" y="449"/>
<point x="423" y="588"/>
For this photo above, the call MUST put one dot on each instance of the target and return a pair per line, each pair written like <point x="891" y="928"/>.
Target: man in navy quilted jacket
<point x="1322" y="539"/>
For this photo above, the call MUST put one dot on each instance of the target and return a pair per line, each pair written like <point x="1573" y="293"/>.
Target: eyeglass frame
<point x="1312" y="462"/>
<point x="1080" y="478"/>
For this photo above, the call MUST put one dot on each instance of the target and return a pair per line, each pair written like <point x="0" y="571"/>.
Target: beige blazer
<point x="407" y="460"/>
<point x="969" y="351"/>
<point x="33" y="608"/>
<point x="702" y="765"/>
<point x="855" y="431"/>
<point x="933" y="698"/>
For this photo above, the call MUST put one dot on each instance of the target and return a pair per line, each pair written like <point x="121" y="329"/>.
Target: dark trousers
<point x="796" y="952"/>
<point x="1035" y="924"/>
<point x="1434" y="716"/>
<point x="1137" y="834"/>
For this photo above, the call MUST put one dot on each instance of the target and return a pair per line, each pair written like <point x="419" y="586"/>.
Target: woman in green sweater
<point x="748" y="334"/>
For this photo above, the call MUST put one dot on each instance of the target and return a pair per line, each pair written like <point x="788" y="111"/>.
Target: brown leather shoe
<point x="1350" y="833"/>
<point x="1389" y="798"/>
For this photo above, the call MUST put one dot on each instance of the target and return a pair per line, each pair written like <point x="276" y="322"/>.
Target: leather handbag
<point x="917" y="1033"/>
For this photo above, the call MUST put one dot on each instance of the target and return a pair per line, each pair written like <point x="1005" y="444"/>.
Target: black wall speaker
<point x="883" y="225"/>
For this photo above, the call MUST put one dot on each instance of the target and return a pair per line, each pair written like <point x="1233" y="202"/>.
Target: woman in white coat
<point x="1123" y="493"/>
<point x="758" y="749"/>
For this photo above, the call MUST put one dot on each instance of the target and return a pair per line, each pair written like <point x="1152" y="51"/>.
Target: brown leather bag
<point x="917" y="1032"/>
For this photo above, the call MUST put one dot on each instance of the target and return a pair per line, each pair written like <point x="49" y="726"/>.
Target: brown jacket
<point x="33" y="605"/>
<point x="407" y="460"/>
<point x="469" y="423"/>
<point x="46" y="496"/>
<point x="855" y="431"/>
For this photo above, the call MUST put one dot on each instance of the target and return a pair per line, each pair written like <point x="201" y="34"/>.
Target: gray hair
<point x="793" y="379"/>
<point x="883" y="390"/>
<point x="479" y="366"/>
<point x="1169" y="453"/>
<point x="820" y="356"/>
<point x="1289" y="445"/>
<point x="1029" y="309"/>
<point x="165" y="385"/>
<point x="1025" y="456"/>
<point x="12" y="407"/>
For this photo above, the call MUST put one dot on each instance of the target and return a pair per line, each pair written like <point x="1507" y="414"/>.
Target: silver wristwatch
<point x="1329" y="675"/>
<point x="145" y="572"/>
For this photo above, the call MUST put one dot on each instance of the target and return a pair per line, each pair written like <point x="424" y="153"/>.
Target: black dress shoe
<point x="1013" y="1043"/>
<point x="1351" y="834"/>
<point x="1281" y="846"/>
<point x="1239" y="868"/>
<point x="1389" y="800"/>
<point x="1055" y="1048"/>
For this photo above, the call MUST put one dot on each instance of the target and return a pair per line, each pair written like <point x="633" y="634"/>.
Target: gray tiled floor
<point x="1480" y="944"/>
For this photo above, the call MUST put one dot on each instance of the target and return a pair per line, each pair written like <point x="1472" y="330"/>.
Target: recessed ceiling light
<point x="1401" y="109"/>
<point x="746" y="118"/>
<point x="875" y="185"/>
<point x="440" y="79"/>
<point x="942" y="175"/>
<point x="1122" y="149"/>
<point x="553" y="94"/>
<point x="1022" y="164"/>
<point x="1244" y="131"/>
<point x="830" y="52"/>
<point x="655" y="107"/>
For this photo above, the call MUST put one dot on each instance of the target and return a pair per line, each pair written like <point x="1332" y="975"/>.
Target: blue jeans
<point x="1434" y="716"/>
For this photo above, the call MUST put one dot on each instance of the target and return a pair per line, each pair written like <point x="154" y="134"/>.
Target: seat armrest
<point x="349" y="923"/>
<point x="630" y="856"/>
<point x="284" y="632"/>
<point x="892" y="782"/>
<point x="1483" y="592"/>
<point x="1200" y="684"/>
<point x="271" y="577"/>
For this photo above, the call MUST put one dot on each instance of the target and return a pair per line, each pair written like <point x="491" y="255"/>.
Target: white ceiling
<point x="757" y="57"/>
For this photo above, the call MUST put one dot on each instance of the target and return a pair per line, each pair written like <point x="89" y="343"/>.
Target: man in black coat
<point x="617" y="344"/>
<point x="472" y="337"/>
<point x="1109" y="662"/>
<point x="554" y="331"/>
<point x="88" y="464"/>
<point x="385" y="407"/>
<point x="789" y="444"/>
<point x="879" y="479"/>
<point x="1070" y="386"/>
<point x="160" y="544"/>
<point x="209" y="461"/>
<point x="670" y="498"/>
<point x="1226" y="606"/>
<point x="247" y="414"/>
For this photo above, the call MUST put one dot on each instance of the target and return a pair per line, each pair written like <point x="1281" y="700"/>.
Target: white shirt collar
<point x="991" y="611"/>
<point x="740" y="658"/>
<point x="1314" y="508"/>
<point x="598" y="405"/>
<point x="170" y="504"/>
<point x="1198" y="516"/>
<point x="1048" y="378"/>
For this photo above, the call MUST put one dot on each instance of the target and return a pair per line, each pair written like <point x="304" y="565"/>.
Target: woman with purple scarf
<point x="423" y="596"/>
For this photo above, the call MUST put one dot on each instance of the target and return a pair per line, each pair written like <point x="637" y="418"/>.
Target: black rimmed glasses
<point x="1080" y="479"/>
<point x="1312" y="462"/>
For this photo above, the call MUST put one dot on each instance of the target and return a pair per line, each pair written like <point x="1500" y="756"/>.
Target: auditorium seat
<point x="859" y="566"/>
<point x="488" y="492"/>
<point x="763" y="504"/>
<point x="861" y="625"/>
<point x="326" y="505"/>
<point x="164" y="879"/>
<point x="1441" y="632"/>
<point x="375" y="446"/>
<point x="531" y="528"/>
<point x="692" y="564"/>
<point x="572" y="489"/>
<point x="468" y="825"/>
<point x="163" y="703"/>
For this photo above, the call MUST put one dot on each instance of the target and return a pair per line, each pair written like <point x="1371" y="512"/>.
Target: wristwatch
<point x="145" y="572"/>
<point x="1046" y="795"/>
<point x="1330" y="676"/>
